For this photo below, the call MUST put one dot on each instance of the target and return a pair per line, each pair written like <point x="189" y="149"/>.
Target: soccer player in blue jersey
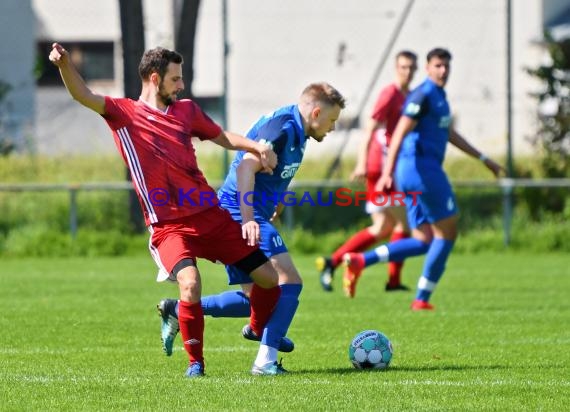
<point x="254" y="199"/>
<point x="419" y="144"/>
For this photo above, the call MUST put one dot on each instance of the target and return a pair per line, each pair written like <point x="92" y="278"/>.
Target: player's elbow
<point x="91" y="101"/>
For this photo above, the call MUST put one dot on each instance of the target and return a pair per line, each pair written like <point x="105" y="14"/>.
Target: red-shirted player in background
<point x="388" y="219"/>
<point x="153" y="135"/>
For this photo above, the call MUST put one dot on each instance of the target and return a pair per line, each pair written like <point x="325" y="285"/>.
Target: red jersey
<point x="387" y="110"/>
<point x="157" y="148"/>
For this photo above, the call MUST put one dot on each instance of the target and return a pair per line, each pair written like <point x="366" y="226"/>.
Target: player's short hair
<point x="324" y="93"/>
<point x="156" y="61"/>
<point x="440" y="53"/>
<point x="407" y="54"/>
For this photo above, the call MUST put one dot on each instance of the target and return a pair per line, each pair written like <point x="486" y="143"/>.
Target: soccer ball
<point x="370" y="349"/>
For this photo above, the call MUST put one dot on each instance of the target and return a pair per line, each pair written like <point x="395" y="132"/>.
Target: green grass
<point x="83" y="334"/>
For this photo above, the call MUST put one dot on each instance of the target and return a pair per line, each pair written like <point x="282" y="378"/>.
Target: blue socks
<point x="396" y="251"/>
<point x="235" y="304"/>
<point x="434" y="266"/>
<point x="282" y="316"/>
<point x="230" y="304"/>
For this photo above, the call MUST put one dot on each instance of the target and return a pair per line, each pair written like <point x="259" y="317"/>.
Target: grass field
<point x="81" y="334"/>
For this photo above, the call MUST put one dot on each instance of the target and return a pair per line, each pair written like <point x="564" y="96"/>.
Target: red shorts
<point x="374" y="163"/>
<point x="374" y="158"/>
<point x="211" y="234"/>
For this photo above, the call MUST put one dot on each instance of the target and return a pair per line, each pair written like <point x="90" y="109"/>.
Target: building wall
<point x="276" y="48"/>
<point x="265" y="73"/>
<point x="16" y="69"/>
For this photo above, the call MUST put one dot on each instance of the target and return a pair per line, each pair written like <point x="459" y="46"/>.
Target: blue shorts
<point x="436" y="201"/>
<point x="271" y="244"/>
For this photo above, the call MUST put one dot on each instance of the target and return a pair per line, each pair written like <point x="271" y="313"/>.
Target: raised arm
<point x="74" y="82"/>
<point x="459" y="141"/>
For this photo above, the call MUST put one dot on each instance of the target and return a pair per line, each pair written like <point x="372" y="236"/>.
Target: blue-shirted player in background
<point x="255" y="199"/>
<point x="419" y="144"/>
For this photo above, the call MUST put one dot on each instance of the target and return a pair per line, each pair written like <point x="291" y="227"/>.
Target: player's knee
<point x="265" y="276"/>
<point x="381" y="229"/>
<point x="190" y="287"/>
<point x="246" y="289"/>
<point x="290" y="278"/>
<point x="423" y="233"/>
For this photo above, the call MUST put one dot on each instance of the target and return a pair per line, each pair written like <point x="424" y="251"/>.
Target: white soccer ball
<point x="370" y="349"/>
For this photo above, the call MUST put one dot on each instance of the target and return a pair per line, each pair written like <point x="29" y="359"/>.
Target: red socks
<point x="262" y="302"/>
<point x="191" y="320"/>
<point x="357" y="243"/>
<point x="395" y="268"/>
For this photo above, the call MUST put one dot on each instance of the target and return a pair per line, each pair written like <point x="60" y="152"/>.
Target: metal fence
<point x="506" y="187"/>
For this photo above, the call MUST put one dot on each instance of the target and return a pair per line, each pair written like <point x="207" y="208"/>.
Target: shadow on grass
<point x="427" y="368"/>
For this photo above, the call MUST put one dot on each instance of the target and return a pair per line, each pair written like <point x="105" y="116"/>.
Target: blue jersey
<point x="421" y="156"/>
<point x="283" y="131"/>
<point x="428" y="105"/>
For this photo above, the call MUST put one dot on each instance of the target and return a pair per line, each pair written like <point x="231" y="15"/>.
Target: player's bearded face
<point x="165" y="96"/>
<point x="171" y="84"/>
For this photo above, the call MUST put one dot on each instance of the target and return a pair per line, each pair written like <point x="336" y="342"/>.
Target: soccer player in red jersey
<point x="153" y="135"/>
<point x="386" y="219"/>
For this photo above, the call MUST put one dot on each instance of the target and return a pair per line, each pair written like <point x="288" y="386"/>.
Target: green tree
<point x="553" y="135"/>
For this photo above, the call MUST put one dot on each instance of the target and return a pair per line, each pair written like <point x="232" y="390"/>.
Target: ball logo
<point x="363" y="336"/>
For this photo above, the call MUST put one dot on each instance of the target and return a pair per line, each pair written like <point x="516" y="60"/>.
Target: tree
<point x="132" y="30"/>
<point x="553" y="136"/>
<point x="185" y="40"/>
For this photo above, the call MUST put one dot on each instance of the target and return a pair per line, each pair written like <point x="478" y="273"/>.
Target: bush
<point x="547" y="236"/>
<point x="38" y="223"/>
<point x="41" y="241"/>
<point x="37" y="240"/>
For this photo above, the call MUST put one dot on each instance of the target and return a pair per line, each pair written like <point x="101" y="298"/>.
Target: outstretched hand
<point x="495" y="168"/>
<point x="268" y="159"/>
<point x="384" y="183"/>
<point x="359" y="173"/>
<point x="250" y="232"/>
<point x="58" y="55"/>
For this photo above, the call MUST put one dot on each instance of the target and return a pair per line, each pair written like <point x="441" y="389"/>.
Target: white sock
<point x="265" y="355"/>
<point x="382" y="253"/>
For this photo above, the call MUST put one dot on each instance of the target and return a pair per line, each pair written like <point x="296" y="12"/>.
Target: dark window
<point x="95" y="61"/>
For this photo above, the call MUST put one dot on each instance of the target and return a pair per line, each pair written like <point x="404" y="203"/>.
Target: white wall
<point x="66" y="20"/>
<point x="277" y="47"/>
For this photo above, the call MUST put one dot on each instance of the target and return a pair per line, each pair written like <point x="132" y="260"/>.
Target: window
<point x="94" y="60"/>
